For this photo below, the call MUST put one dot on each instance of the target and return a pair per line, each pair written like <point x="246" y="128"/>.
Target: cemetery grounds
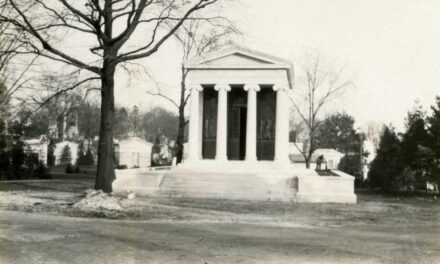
<point x="55" y="221"/>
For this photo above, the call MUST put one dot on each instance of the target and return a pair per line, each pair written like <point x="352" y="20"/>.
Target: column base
<point x="250" y="159"/>
<point x="221" y="159"/>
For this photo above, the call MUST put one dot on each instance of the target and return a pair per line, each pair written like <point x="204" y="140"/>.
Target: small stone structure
<point x="38" y="146"/>
<point x="331" y="156"/>
<point x="133" y="152"/>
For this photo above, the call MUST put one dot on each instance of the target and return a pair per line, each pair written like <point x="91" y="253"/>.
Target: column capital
<point x="253" y="86"/>
<point x="224" y="87"/>
<point x="196" y="87"/>
<point x="278" y="87"/>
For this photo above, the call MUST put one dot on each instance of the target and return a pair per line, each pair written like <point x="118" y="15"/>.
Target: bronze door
<point x="237" y="111"/>
<point x="266" y="107"/>
<point x="237" y="133"/>
<point x="210" y="102"/>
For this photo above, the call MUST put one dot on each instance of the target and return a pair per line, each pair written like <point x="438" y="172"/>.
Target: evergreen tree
<point x="81" y="156"/>
<point x="434" y="141"/>
<point x="88" y="158"/>
<point x="5" y="164"/>
<point x="17" y="150"/>
<point x="50" y="153"/>
<point x="414" y="149"/>
<point x="387" y="166"/>
<point x="66" y="156"/>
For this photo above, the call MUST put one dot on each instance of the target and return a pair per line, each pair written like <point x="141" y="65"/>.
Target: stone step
<point x="230" y="195"/>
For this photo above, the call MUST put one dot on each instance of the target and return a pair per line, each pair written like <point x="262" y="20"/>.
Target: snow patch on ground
<point x="97" y="200"/>
<point x="19" y="199"/>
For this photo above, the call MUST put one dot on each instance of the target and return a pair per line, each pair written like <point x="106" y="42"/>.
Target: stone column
<point x="282" y="125"/>
<point x="194" y="123"/>
<point x="251" y="122"/>
<point x="222" y="126"/>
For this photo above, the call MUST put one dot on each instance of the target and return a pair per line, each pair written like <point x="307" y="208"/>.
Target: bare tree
<point x="320" y="84"/>
<point x="13" y="72"/>
<point x="196" y="38"/>
<point x="110" y="24"/>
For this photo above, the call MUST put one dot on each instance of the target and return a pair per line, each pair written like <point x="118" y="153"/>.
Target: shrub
<point x="350" y="164"/>
<point x="50" y="154"/>
<point x="88" y="158"/>
<point x="69" y="168"/>
<point x="81" y="156"/>
<point x="41" y="172"/>
<point x="66" y="156"/>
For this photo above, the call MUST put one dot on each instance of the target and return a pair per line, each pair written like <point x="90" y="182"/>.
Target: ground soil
<point x="39" y="223"/>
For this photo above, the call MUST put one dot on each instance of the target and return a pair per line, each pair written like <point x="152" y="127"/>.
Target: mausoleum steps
<point x="261" y="182"/>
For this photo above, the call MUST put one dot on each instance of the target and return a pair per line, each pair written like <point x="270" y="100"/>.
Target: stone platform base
<point x="326" y="189"/>
<point x="266" y="181"/>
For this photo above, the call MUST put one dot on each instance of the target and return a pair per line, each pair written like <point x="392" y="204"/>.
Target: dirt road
<point x="46" y="238"/>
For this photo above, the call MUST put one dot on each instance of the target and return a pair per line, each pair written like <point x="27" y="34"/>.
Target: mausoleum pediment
<point x="239" y="65"/>
<point x="237" y="57"/>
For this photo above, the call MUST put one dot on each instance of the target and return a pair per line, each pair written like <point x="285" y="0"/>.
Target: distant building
<point x="133" y="152"/>
<point x="332" y="156"/>
<point x="38" y="147"/>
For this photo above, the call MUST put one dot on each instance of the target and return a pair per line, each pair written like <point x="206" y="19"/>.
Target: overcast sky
<point x="392" y="47"/>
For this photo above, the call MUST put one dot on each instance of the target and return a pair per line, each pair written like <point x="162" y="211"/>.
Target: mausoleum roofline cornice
<point x="262" y="60"/>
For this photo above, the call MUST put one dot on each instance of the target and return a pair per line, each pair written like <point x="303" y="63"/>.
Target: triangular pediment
<point x="237" y="57"/>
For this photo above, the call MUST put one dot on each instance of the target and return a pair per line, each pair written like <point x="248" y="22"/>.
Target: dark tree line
<point x="16" y="160"/>
<point x="146" y="125"/>
<point x="409" y="160"/>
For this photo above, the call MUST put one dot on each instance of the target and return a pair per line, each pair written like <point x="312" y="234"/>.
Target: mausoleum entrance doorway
<point x="237" y="113"/>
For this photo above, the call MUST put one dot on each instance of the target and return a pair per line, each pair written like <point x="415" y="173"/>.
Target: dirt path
<point x="44" y="238"/>
<point x="40" y="224"/>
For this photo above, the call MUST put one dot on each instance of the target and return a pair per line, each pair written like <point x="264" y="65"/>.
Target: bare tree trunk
<point x="308" y="162"/>
<point x="311" y="148"/>
<point x="105" y="173"/>
<point x="181" y="129"/>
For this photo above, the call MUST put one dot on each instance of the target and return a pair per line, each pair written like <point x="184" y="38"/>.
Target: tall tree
<point x="320" y="84"/>
<point x="337" y="132"/>
<point x="434" y="141"/>
<point x="387" y="166"/>
<point x="159" y="120"/>
<point x="414" y="147"/>
<point x="11" y="78"/>
<point x="88" y="117"/>
<point x="134" y="119"/>
<point x="111" y="24"/>
<point x="122" y="124"/>
<point x="196" y="38"/>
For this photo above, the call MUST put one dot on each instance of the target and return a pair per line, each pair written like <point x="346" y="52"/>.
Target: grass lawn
<point x="59" y="173"/>
<point x="379" y="229"/>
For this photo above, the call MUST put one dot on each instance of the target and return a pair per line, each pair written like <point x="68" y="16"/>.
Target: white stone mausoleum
<point x="238" y="139"/>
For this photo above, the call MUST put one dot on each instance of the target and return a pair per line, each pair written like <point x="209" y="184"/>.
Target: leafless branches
<point x="39" y="23"/>
<point x="320" y="84"/>
<point x="106" y="26"/>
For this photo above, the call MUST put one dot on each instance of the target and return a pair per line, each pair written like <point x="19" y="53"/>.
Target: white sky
<point x="392" y="47"/>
